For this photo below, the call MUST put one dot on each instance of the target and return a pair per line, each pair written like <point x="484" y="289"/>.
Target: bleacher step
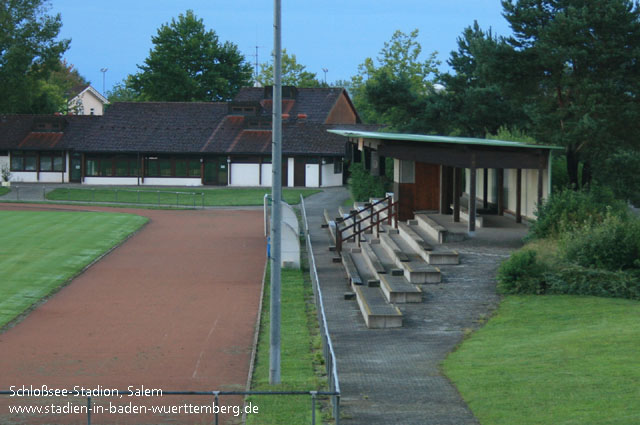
<point x="396" y="289"/>
<point x="416" y="269"/>
<point x="417" y="238"/>
<point x="377" y="313"/>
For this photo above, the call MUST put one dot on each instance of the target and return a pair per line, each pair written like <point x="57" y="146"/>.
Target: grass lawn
<point x="39" y="251"/>
<point x="187" y="197"/>
<point x="4" y="190"/>
<point x="297" y="358"/>
<point x="553" y="360"/>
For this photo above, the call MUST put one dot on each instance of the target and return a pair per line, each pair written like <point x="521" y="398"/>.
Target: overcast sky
<point x="336" y="35"/>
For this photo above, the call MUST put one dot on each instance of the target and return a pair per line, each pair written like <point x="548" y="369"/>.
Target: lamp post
<point x="325" y="70"/>
<point x="104" y="73"/>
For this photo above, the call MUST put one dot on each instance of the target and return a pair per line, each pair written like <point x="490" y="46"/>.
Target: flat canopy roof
<point x="464" y="152"/>
<point x="439" y="139"/>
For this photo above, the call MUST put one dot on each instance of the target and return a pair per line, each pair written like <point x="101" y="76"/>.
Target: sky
<point x="330" y="34"/>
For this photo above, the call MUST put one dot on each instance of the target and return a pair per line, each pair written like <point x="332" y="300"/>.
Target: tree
<point x="29" y="52"/>
<point x="293" y="73"/>
<point x="470" y="105"/>
<point x="123" y="92"/>
<point x="188" y="63"/>
<point x="392" y="90"/>
<point x="575" y="66"/>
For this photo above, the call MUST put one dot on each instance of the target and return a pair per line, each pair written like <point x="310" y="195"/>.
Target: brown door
<point x="427" y="187"/>
<point x="299" y="172"/>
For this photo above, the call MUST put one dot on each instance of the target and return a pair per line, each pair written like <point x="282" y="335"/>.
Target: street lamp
<point x="325" y="70"/>
<point x="104" y="73"/>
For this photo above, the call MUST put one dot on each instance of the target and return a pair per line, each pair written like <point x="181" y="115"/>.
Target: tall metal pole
<point x="276" y="206"/>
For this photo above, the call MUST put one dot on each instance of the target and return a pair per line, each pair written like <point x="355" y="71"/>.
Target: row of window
<point x="28" y="161"/>
<point x="153" y="167"/>
<point x="121" y="166"/>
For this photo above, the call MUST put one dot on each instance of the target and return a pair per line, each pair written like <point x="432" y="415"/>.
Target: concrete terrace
<point x="392" y="376"/>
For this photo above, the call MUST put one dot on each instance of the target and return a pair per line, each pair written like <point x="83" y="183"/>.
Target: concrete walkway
<point x="393" y="376"/>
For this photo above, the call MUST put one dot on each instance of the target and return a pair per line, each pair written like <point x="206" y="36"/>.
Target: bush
<point x="522" y="273"/>
<point x="363" y="185"/>
<point x="570" y="210"/>
<point x="611" y="245"/>
<point x="577" y="280"/>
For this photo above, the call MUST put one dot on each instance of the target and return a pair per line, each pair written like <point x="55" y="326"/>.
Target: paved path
<point x="173" y="308"/>
<point x="392" y="376"/>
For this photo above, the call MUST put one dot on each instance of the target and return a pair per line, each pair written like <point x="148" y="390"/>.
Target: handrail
<point x="391" y="212"/>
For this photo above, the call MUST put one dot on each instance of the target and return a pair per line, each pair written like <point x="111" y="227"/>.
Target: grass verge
<point x="186" y="197"/>
<point x="298" y="355"/>
<point x="4" y="190"/>
<point x="553" y="360"/>
<point x="41" y="250"/>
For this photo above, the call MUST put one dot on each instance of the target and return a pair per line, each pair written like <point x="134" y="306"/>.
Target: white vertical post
<point x="276" y="205"/>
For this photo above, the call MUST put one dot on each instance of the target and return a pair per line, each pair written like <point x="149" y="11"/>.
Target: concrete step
<point x="368" y="276"/>
<point x="464" y="216"/>
<point x="436" y="231"/>
<point x="426" y="247"/>
<point x="391" y="280"/>
<point x="416" y="269"/>
<point x="396" y="289"/>
<point x="350" y="267"/>
<point x="377" y="313"/>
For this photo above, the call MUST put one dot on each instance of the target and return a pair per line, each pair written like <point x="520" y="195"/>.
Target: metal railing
<point x="91" y="409"/>
<point x="327" y="345"/>
<point x="375" y="218"/>
<point x="120" y="196"/>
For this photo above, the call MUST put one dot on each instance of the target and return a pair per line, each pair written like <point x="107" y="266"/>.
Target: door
<point x="215" y="171"/>
<point x="75" y="174"/>
<point x="299" y="172"/>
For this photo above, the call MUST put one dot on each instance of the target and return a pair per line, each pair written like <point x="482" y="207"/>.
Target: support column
<point x="485" y="188"/>
<point x="445" y="189"/>
<point x="472" y="198"/>
<point x="260" y="171"/>
<point x="519" y="196"/>
<point x="457" y="182"/>
<point x="500" y="191"/>
<point x="319" y="171"/>
<point x="540" y="175"/>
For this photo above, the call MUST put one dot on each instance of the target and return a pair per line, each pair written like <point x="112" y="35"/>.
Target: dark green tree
<point x="188" y="63"/>
<point x="293" y="73"/>
<point x="470" y="105"/>
<point x="575" y="66"/>
<point x="392" y="89"/>
<point x="123" y="92"/>
<point x="29" y="52"/>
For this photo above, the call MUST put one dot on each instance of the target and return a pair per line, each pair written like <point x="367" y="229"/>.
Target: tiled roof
<point x="188" y="127"/>
<point x="151" y="127"/>
<point x="315" y="103"/>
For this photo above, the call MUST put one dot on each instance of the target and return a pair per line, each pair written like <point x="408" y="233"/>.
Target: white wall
<point x="329" y="178"/>
<point x="529" y="189"/>
<point x="148" y="181"/>
<point x="311" y="175"/>
<point x="290" y="170"/>
<point x="266" y="174"/>
<point x="244" y="174"/>
<point x="114" y="181"/>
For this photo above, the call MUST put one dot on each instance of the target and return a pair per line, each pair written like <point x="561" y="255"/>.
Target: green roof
<point x="439" y="139"/>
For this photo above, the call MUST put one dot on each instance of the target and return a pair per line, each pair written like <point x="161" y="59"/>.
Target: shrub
<point x="611" y="245"/>
<point x="522" y="273"/>
<point x="363" y="185"/>
<point x="619" y="171"/>
<point x="572" y="279"/>
<point x="569" y="210"/>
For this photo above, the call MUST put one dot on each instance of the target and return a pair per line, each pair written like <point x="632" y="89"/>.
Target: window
<point x="194" y="168"/>
<point x="337" y="167"/>
<point x="165" y="167"/>
<point x="51" y="161"/>
<point x="23" y="161"/>
<point x="172" y="167"/>
<point x="119" y="166"/>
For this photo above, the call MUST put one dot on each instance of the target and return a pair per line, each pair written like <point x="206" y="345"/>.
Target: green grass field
<point x="557" y="360"/>
<point x="4" y="190"/>
<point x="187" y="197"/>
<point x="297" y="356"/>
<point x="40" y="251"/>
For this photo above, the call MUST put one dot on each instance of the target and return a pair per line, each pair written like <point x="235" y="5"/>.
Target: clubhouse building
<point x="185" y="144"/>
